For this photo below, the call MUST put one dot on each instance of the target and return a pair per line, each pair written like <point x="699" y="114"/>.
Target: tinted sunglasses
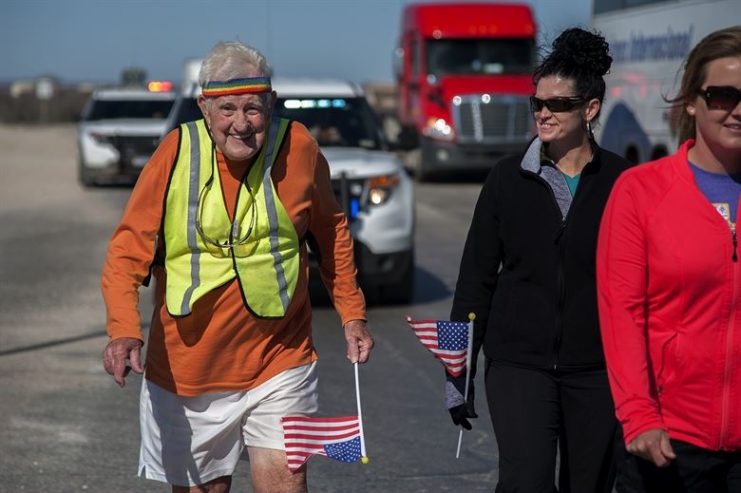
<point x="556" y="105"/>
<point x="720" y="97"/>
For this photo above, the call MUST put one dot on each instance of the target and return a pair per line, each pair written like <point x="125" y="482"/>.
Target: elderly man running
<point x="219" y="217"/>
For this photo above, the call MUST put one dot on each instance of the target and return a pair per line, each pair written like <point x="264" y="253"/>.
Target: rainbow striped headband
<point x="248" y="85"/>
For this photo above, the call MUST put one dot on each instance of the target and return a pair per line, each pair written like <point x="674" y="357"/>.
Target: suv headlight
<point x="438" y="128"/>
<point x="99" y="138"/>
<point x="381" y="187"/>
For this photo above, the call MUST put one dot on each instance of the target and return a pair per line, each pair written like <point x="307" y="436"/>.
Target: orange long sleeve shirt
<point x="220" y="346"/>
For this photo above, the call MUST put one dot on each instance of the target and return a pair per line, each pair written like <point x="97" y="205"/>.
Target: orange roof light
<point x="383" y="181"/>
<point x="159" y="86"/>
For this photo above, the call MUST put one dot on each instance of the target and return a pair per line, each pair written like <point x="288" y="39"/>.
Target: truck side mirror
<point x="398" y="62"/>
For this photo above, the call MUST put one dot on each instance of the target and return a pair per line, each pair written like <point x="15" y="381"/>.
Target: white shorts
<point x="187" y="441"/>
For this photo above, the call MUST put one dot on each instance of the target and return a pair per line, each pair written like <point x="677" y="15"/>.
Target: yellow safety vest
<point x="204" y="250"/>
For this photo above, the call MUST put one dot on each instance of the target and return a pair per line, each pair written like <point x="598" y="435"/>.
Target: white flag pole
<point x="460" y="439"/>
<point x="363" y="457"/>
<point x="471" y="318"/>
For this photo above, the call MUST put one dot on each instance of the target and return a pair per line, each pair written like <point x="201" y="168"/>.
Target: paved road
<point x="67" y="427"/>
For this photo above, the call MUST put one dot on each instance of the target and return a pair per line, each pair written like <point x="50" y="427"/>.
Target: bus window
<point x="649" y="40"/>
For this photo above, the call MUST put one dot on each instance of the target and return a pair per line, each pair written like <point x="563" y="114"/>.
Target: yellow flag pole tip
<point x="364" y="460"/>
<point x="409" y="319"/>
<point x="471" y="316"/>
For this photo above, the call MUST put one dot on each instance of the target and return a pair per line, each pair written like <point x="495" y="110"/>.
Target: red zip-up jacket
<point x="669" y="290"/>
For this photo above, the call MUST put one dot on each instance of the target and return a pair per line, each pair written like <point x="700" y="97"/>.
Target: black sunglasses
<point x="556" y="105"/>
<point x="720" y="97"/>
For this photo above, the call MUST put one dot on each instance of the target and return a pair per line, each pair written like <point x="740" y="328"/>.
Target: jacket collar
<point x="682" y="162"/>
<point x="532" y="162"/>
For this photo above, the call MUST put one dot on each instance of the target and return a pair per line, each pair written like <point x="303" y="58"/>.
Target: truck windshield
<point x="479" y="56"/>
<point x="334" y="122"/>
<point x="128" y="108"/>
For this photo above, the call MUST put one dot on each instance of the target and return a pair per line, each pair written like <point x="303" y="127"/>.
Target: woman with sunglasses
<point x="670" y="289"/>
<point x="527" y="273"/>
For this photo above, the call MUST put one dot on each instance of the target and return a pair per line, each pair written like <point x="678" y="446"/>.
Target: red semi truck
<point x="464" y="76"/>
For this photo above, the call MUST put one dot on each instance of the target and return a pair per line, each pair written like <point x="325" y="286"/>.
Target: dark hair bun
<point x="586" y="50"/>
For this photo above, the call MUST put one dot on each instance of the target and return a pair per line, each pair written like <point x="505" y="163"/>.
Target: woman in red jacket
<point x="669" y="283"/>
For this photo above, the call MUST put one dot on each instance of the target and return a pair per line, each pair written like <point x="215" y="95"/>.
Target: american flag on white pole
<point x="448" y="341"/>
<point x="336" y="438"/>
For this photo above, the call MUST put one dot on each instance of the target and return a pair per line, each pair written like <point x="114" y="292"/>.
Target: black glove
<point x="460" y="412"/>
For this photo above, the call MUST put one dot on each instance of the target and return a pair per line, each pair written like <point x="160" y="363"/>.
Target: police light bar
<point x="159" y="86"/>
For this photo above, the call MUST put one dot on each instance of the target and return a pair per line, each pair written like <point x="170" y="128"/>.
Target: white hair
<point x="230" y="60"/>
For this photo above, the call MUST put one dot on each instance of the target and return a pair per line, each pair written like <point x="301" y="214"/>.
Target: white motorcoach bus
<point x="649" y="40"/>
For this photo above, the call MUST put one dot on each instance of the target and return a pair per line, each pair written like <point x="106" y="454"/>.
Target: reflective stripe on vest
<point x="205" y="251"/>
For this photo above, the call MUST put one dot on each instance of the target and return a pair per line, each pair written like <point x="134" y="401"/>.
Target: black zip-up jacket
<point x="540" y="309"/>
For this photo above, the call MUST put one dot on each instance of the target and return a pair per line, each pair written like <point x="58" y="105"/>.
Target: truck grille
<point x="484" y="119"/>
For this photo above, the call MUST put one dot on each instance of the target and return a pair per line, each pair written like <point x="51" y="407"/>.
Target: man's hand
<point x="653" y="445"/>
<point x="359" y="341"/>
<point x="116" y="354"/>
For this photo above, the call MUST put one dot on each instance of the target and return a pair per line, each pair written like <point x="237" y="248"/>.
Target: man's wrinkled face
<point x="238" y="123"/>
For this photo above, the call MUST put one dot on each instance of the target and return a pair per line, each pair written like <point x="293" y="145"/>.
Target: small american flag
<point x="447" y="340"/>
<point x="336" y="438"/>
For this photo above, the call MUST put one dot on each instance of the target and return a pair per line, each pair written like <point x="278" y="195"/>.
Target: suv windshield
<point x="479" y="56"/>
<point x="186" y="110"/>
<point x="105" y="109"/>
<point x="334" y="122"/>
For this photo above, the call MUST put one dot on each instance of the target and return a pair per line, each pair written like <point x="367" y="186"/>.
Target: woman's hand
<point x="654" y="446"/>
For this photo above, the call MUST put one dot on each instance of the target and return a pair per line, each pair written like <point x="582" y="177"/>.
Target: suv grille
<point x="350" y="193"/>
<point x="484" y="119"/>
<point x="134" y="150"/>
<point x="140" y="145"/>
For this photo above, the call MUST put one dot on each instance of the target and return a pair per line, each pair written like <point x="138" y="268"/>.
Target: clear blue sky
<point x="92" y="40"/>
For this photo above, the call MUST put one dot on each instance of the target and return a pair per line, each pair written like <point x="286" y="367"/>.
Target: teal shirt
<point x="571" y="182"/>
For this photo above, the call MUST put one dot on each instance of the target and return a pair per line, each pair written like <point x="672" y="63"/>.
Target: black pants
<point x="695" y="470"/>
<point x="535" y="411"/>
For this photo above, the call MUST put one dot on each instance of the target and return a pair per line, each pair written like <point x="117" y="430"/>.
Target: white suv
<point x="120" y="129"/>
<point x="369" y="181"/>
